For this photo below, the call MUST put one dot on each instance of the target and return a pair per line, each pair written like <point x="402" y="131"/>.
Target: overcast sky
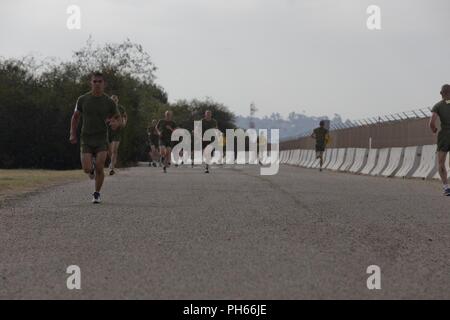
<point x="313" y="56"/>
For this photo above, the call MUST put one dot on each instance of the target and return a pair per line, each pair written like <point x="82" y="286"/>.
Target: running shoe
<point x="96" y="198"/>
<point x="164" y="169"/>
<point x="447" y="192"/>
<point x="154" y="164"/>
<point x="112" y="172"/>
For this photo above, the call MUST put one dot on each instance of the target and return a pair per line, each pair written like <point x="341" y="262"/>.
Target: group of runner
<point x="440" y="110"/>
<point x="160" y="138"/>
<point x="103" y="121"/>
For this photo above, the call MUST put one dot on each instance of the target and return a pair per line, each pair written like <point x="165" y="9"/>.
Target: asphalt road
<point x="232" y="234"/>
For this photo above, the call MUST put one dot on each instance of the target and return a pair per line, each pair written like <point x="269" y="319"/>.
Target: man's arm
<point x="157" y="128"/>
<point x="73" y="126"/>
<point x="432" y="123"/>
<point x="124" y="119"/>
<point x="114" y="113"/>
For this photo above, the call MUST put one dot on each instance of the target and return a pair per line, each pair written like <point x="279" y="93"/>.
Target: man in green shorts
<point x="441" y="110"/>
<point x="165" y="127"/>
<point x="97" y="110"/>
<point x="115" y="135"/>
<point x="321" y="136"/>
<point x="207" y="123"/>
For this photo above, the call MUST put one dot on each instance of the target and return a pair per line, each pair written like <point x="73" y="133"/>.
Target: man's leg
<point x="162" y="153"/>
<point x="321" y="160"/>
<point x="155" y="155"/>
<point x="99" y="166"/>
<point x="86" y="163"/>
<point x="167" y="157"/>
<point x="114" y="153"/>
<point x="442" y="169"/>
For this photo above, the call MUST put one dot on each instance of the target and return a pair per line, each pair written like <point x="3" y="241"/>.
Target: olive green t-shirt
<point x="320" y="134"/>
<point x="208" y="124"/>
<point x="442" y="108"/>
<point x="162" y="127"/>
<point x="95" y="110"/>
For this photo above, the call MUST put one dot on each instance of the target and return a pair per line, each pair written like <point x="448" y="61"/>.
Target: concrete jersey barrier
<point x="328" y="157"/>
<point x="339" y="159"/>
<point x="301" y="157"/>
<point x="332" y="160"/>
<point x="395" y="158"/>
<point x="428" y="163"/>
<point x="294" y="157"/>
<point x="371" y="161"/>
<point x="410" y="162"/>
<point x="360" y="160"/>
<point x="311" y="158"/>
<point x="349" y="158"/>
<point x="307" y="158"/>
<point x="383" y="156"/>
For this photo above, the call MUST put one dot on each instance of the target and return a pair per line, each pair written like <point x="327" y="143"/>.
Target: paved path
<point x="232" y="234"/>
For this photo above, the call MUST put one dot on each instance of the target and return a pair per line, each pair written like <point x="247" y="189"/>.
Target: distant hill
<point x="295" y="125"/>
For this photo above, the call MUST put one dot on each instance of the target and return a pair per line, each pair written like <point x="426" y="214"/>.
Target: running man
<point x="98" y="110"/>
<point x="441" y="110"/>
<point x="207" y="123"/>
<point x="115" y="135"/>
<point x="153" y="141"/>
<point x="321" y="135"/>
<point x="165" y="127"/>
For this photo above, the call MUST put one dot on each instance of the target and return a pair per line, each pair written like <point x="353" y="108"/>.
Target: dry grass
<point x="16" y="182"/>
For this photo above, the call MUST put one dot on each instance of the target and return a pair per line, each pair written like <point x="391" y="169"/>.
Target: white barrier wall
<point x="383" y="156"/>
<point x="410" y="162"/>
<point x="294" y="157"/>
<point x="328" y="157"/>
<point x="325" y="156"/>
<point x="414" y="161"/>
<point x="283" y="156"/>
<point x="288" y="156"/>
<point x="339" y="159"/>
<point x="314" y="164"/>
<point x="349" y="158"/>
<point x="301" y="157"/>
<point x="360" y="160"/>
<point x="395" y="159"/>
<point x="297" y="158"/>
<point x="333" y="158"/>
<point x="308" y="158"/>
<point x="312" y="157"/>
<point x="428" y="163"/>
<point x="372" y="158"/>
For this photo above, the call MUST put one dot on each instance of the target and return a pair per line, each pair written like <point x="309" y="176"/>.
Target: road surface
<point x="232" y="234"/>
